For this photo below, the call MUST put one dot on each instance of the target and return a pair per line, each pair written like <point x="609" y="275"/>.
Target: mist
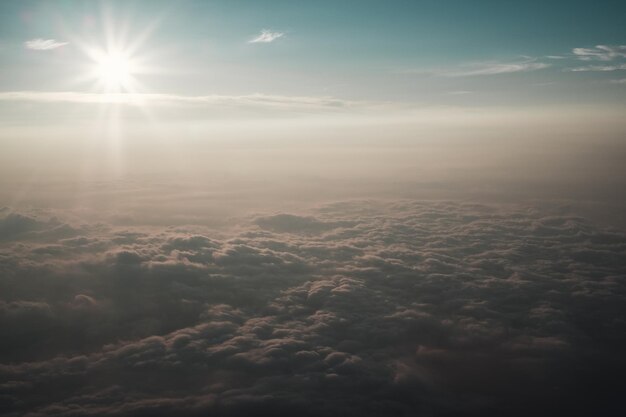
<point x="199" y="170"/>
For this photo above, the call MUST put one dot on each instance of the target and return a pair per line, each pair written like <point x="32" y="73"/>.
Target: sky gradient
<point x="427" y="52"/>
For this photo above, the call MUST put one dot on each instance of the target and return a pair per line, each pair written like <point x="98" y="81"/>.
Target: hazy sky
<point x="423" y="95"/>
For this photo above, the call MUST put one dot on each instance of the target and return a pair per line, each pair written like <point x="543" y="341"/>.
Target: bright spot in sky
<point x="116" y="58"/>
<point x="114" y="71"/>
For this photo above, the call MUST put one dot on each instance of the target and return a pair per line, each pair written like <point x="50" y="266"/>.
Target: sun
<point x="117" y="58"/>
<point x="114" y="71"/>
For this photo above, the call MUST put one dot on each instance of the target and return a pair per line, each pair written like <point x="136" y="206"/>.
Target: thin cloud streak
<point x="266" y="36"/>
<point x="480" y="69"/>
<point x="496" y="69"/>
<point x="43" y="44"/>
<point x="599" y="68"/>
<point x="256" y="100"/>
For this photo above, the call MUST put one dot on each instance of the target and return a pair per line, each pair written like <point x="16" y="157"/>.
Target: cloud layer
<point x="356" y="308"/>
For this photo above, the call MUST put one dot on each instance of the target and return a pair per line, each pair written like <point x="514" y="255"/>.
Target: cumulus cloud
<point x="600" y="53"/>
<point x="40" y="44"/>
<point x="266" y="36"/>
<point x="355" y="308"/>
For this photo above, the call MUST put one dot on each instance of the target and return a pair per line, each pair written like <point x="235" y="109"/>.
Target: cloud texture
<point x="355" y="308"/>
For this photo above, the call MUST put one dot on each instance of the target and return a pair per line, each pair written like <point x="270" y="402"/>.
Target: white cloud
<point x="266" y="36"/>
<point x="600" y="53"/>
<point x="480" y="68"/>
<point x="43" y="44"/>
<point x="599" y="68"/>
<point x="495" y="68"/>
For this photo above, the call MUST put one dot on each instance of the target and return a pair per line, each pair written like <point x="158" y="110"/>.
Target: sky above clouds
<point x="421" y="51"/>
<point x="111" y="89"/>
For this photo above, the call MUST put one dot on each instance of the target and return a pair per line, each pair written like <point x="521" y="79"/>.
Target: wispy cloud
<point x="600" y="53"/>
<point x="458" y="93"/>
<point x="495" y="68"/>
<point x="250" y="100"/>
<point x="43" y="44"/>
<point x="266" y="36"/>
<point x="606" y="58"/>
<point x="479" y="68"/>
<point x="599" y="68"/>
<point x="210" y="106"/>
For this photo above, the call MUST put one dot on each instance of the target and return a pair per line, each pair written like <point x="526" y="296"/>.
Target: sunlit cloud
<point x="43" y="44"/>
<point x="266" y="36"/>
<point x="600" y="53"/>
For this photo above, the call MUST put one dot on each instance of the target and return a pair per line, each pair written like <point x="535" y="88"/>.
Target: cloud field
<point x="354" y="308"/>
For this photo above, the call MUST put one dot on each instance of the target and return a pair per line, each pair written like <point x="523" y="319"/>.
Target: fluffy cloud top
<point x="397" y="308"/>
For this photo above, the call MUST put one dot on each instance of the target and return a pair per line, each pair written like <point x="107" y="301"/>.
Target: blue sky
<point x="428" y="52"/>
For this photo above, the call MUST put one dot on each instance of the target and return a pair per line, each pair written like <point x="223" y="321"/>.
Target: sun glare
<point x="117" y="56"/>
<point x="114" y="71"/>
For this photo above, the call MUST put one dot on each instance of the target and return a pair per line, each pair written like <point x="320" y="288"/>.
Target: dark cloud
<point x="298" y="224"/>
<point x="19" y="226"/>
<point x="371" y="308"/>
